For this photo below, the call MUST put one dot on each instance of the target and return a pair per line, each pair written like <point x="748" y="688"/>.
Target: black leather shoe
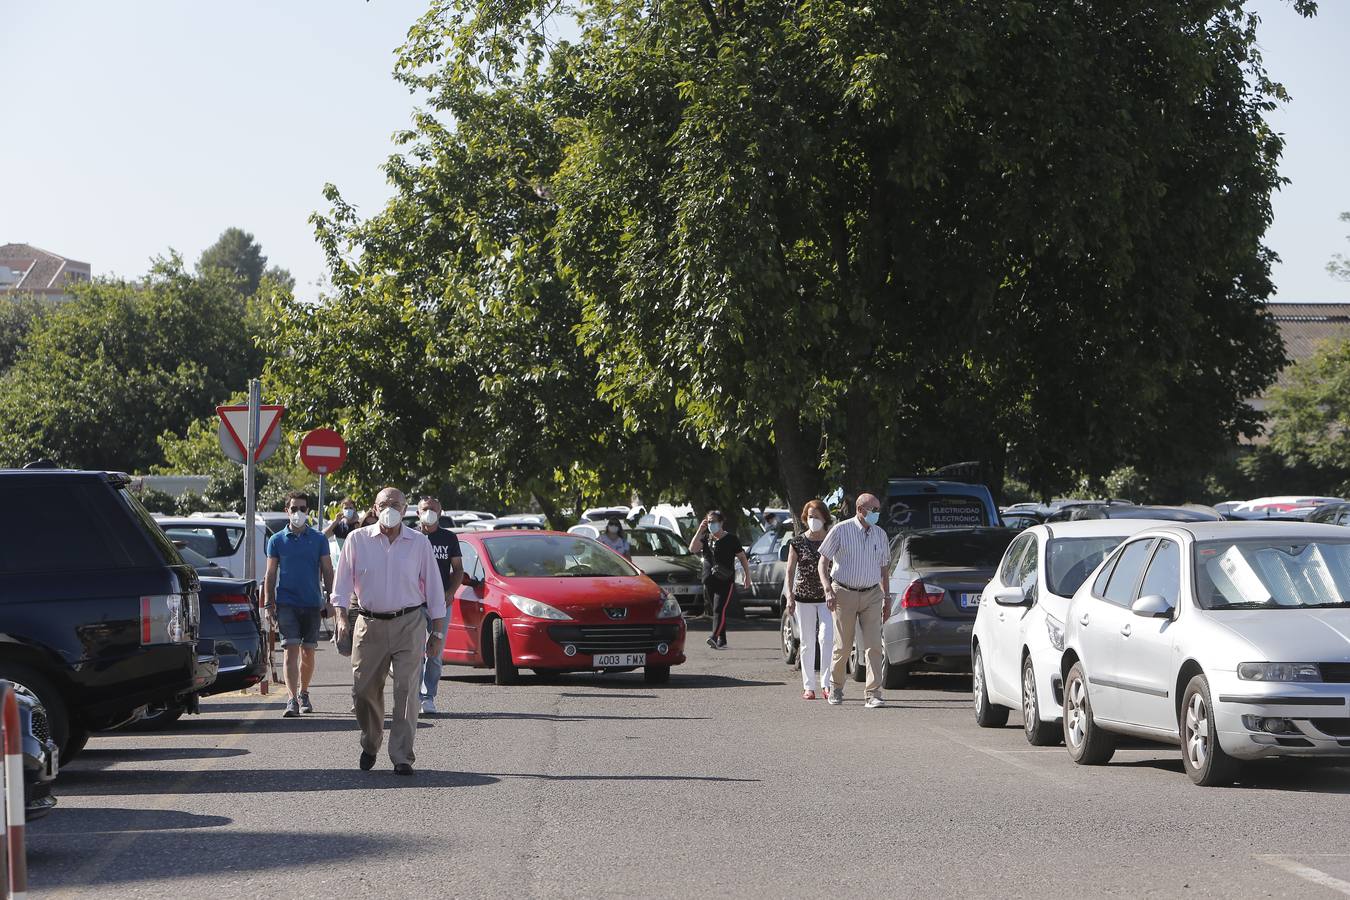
<point x="403" y="769"/>
<point x="367" y="761"/>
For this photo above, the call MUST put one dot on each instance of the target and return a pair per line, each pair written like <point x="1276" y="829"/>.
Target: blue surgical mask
<point x="873" y="517"/>
<point x="714" y="528"/>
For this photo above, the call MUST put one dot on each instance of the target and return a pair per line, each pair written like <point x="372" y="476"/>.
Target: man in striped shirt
<point x="854" y="559"/>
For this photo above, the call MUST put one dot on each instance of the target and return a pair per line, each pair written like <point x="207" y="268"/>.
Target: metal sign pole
<point x="321" y="502"/>
<point x="250" y="475"/>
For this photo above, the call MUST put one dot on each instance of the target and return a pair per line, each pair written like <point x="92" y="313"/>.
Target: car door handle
<point x="1125" y="629"/>
<point x="1084" y="619"/>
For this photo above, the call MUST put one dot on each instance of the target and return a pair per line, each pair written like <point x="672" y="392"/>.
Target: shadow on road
<point x="311" y="722"/>
<point x="544" y="777"/>
<point x="136" y="782"/>
<point x="181" y="856"/>
<point x="111" y="820"/>
<point x="95" y="757"/>
<point x="572" y="717"/>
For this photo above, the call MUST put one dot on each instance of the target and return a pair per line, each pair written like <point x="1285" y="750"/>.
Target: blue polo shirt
<point x="298" y="556"/>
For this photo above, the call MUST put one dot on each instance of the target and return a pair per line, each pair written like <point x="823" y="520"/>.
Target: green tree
<point x="237" y="253"/>
<point x="17" y="317"/>
<point x="1310" y="415"/>
<point x="1339" y="267"/>
<point x="101" y="375"/>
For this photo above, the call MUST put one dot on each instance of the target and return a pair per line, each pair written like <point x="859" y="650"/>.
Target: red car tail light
<point x="232" y="607"/>
<point x="919" y="595"/>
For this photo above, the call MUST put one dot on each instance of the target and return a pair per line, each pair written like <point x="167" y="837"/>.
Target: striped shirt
<point x="857" y="553"/>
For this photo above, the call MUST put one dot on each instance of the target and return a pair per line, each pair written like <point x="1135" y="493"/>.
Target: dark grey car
<point x="937" y="576"/>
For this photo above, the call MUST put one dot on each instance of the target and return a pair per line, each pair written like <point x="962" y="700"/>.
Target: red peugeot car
<point x="556" y="602"/>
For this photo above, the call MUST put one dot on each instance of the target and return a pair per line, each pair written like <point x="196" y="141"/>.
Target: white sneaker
<point x="874" y="702"/>
<point x="428" y="707"/>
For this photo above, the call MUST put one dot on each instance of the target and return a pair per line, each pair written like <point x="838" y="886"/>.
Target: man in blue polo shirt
<point x="297" y="557"/>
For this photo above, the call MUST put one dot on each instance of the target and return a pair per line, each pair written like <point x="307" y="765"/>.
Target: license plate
<point x="970" y="601"/>
<point x="615" y="660"/>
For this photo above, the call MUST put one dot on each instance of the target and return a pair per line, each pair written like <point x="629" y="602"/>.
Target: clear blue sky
<point x="130" y="128"/>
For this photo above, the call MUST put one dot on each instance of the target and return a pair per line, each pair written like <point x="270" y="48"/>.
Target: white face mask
<point x="815" y="524"/>
<point x="714" y="528"/>
<point x="349" y="513"/>
<point x="390" y="516"/>
<point x="613" y="529"/>
<point x="430" y="517"/>
<point x="299" y="519"/>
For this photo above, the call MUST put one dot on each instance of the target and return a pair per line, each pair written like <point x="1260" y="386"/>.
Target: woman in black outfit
<point x="720" y="549"/>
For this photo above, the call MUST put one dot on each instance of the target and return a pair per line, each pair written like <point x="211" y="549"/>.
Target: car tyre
<point x="656" y="674"/>
<point x="987" y="715"/>
<point x="79" y="736"/>
<point x="857" y="664"/>
<point x="893" y="677"/>
<point x="1206" y="762"/>
<point x="791" y="646"/>
<point x="504" y="670"/>
<point x="1088" y="744"/>
<point x="1039" y="734"/>
<point x="58" y="717"/>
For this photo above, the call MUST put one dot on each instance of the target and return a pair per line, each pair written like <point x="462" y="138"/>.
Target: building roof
<point x="1305" y="327"/>
<point x="41" y="271"/>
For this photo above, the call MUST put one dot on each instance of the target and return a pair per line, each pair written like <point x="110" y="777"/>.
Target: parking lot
<point x="721" y="783"/>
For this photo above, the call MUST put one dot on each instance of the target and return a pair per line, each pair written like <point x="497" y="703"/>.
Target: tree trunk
<point x="798" y="461"/>
<point x="551" y="511"/>
<point x="860" y="428"/>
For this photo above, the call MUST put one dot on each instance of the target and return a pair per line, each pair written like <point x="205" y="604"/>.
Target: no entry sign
<point x="323" y="451"/>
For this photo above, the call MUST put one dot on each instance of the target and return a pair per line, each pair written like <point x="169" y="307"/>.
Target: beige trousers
<point x="377" y="644"/>
<point x="860" y="608"/>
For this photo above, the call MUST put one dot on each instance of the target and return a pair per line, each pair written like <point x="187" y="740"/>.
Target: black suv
<point x="98" y="612"/>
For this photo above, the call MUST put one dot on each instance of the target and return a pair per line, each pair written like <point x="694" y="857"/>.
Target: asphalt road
<point x="723" y="783"/>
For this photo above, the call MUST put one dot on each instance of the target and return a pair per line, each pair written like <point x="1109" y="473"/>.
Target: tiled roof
<point x="41" y="268"/>
<point x="1305" y="327"/>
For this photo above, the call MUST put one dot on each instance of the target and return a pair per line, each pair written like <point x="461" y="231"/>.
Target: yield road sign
<point x="323" y="451"/>
<point x="234" y="453"/>
<point x="235" y="421"/>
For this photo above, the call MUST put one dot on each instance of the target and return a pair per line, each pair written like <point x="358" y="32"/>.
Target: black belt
<point x="362" y="611"/>
<point x="856" y="590"/>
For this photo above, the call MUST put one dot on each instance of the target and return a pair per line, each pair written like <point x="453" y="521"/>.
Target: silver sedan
<point x="1229" y="639"/>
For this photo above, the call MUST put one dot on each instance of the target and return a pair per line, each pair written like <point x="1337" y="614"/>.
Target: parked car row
<point x="1230" y="640"/>
<point x="104" y="624"/>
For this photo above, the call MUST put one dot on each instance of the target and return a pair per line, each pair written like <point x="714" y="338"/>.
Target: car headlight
<point x="1269" y="671"/>
<point x="532" y="607"/>
<point x="670" y="607"/>
<point x="1055" y="632"/>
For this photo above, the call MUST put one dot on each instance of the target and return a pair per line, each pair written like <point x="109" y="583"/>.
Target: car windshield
<point x="554" y="556"/>
<point x="1269" y="573"/>
<point x="961" y="548"/>
<point x="1069" y="561"/>
<point x="655" y="542"/>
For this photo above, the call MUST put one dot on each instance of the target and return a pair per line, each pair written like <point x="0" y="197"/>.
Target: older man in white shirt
<point x="393" y="570"/>
<point x="854" y="558"/>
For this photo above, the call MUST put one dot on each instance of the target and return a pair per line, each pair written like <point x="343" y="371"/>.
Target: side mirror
<point x="1152" y="607"/>
<point x="1011" y="596"/>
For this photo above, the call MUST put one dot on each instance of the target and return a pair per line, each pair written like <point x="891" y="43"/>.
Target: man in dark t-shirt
<point x="445" y="547"/>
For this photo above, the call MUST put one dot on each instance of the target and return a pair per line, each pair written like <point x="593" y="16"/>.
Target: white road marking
<point x="1307" y="873"/>
<point x="1003" y="755"/>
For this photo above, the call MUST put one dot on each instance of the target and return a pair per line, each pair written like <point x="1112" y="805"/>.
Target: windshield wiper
<point x="1325" y="605"/>
<point x="1248" y="605"/>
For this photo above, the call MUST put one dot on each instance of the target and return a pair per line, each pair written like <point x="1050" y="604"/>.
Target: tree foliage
<point x="18" y="314"/>
<point x="1339" y="266"/>
<point x="101" y="375"/>
<point x="706" y="239"/>
<point x="236" y="254"/>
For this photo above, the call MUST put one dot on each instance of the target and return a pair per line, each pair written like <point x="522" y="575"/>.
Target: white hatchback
<point x="1230" y="639"/>
<point x="1018" y="637"/>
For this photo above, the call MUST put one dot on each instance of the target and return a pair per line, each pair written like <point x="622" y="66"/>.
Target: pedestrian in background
<point x="854" y="558"/>
<point x="614" y="538"/>
<point x="806" y="600"/>
<point x="393" y="569"/>
<point x="445" y="547"/>
<point x="721" y="550"/>
<point x="346" y="522"/>
<point x="297" y="558"/>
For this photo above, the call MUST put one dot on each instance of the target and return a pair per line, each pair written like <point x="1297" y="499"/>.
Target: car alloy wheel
<point x="1039" y="734"/>
<point x="1088" y="744"/>
<point x="987" y="715"/>
<point x="789" y="637"/>
<point x="1197" y="731"/>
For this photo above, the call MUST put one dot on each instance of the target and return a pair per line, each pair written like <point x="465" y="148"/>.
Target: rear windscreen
<point x="74" y="524"/>
<point x="1069" y="561"/>
<point x="961" y="550"/>
<point x="915" y="511"/>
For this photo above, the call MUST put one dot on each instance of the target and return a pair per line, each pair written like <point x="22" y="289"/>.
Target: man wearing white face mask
<point x="393" y="570"/>
<point x="445" y="546"/>
<point x="297" y="557"/>
<point x="854" y="558"/>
